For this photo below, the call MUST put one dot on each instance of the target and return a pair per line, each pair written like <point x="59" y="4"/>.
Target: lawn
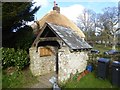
<point x="102" y="47"/>
<point x="17" y="79"/>
<point x="0" y="79"/>
<point x="89" y="81"/>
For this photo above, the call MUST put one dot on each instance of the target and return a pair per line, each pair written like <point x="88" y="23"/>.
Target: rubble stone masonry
<point x="41" y="65"/>
<point x="70" y="63"/>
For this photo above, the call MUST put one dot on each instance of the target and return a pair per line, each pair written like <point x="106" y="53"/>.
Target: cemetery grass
<point x="89" y="81"/>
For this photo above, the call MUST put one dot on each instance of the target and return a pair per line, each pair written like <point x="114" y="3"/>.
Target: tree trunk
<point x="114" y="42"/>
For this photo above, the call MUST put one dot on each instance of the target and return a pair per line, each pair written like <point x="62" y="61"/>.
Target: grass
<point x="89" y="81"/>
<point x="0" y="78"/>
<point x="18" y="79"/>
<point x="22" y="79"/>
<point x="102" y="47"/>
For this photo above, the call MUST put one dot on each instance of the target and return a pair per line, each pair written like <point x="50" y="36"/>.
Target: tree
<point x="24" y="38"/>
<point x="109" y="19"/>
<point x="15" y="15"/>
<point x="86" y="21"/>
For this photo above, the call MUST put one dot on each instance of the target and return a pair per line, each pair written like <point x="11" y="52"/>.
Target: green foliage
<point x="10" y="80"/>
<point x="21" y="59"/>
<point x="15" y="15"/>
<point x="100" y="47"/>
<point x="18" y="79"/>
<point x="11" y="57"/>
<point x="89" y="81"/>
<point x="8" y="57"/>
<point x="24" y="38"/>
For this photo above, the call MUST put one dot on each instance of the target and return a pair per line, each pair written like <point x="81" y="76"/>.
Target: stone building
<point x="59" y="47"/>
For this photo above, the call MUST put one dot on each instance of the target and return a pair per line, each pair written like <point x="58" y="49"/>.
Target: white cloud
<point x="72" y="12"/>
<point x="41" y="2"/>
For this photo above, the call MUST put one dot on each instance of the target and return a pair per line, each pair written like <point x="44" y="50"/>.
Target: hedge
<point x="16" y="58"/>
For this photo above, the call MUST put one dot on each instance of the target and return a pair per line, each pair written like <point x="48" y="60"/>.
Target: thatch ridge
<point x="59" y="19"/>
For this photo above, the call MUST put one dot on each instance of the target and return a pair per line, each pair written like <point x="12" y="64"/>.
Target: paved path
<point x="44" y="81"/>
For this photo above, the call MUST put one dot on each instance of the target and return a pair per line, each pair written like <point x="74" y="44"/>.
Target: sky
<point x="72" y="8"/>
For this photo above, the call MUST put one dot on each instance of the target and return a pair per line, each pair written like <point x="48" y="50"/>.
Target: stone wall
<point x="70" y="63"/>
<point x="41" y="65"/>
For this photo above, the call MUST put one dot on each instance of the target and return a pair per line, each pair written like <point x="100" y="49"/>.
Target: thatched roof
<point x="59" y="19"/>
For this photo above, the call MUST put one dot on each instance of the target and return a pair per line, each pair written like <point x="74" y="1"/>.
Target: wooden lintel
<point x="48" y="39"/>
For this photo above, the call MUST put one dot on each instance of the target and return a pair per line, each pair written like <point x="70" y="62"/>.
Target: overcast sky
<point x="72" y="8"/>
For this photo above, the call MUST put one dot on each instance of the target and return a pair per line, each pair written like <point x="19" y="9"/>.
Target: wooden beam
<point x="48" y="39"/>
<point x="37" y="38"/>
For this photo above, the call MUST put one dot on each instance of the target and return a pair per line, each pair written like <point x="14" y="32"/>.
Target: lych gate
<point x="59" y="46"/>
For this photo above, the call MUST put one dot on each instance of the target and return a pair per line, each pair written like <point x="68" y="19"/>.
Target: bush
<point x="8" y="57"/>
<point x="11" y="57"/>
<point x="22" y="60"/>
